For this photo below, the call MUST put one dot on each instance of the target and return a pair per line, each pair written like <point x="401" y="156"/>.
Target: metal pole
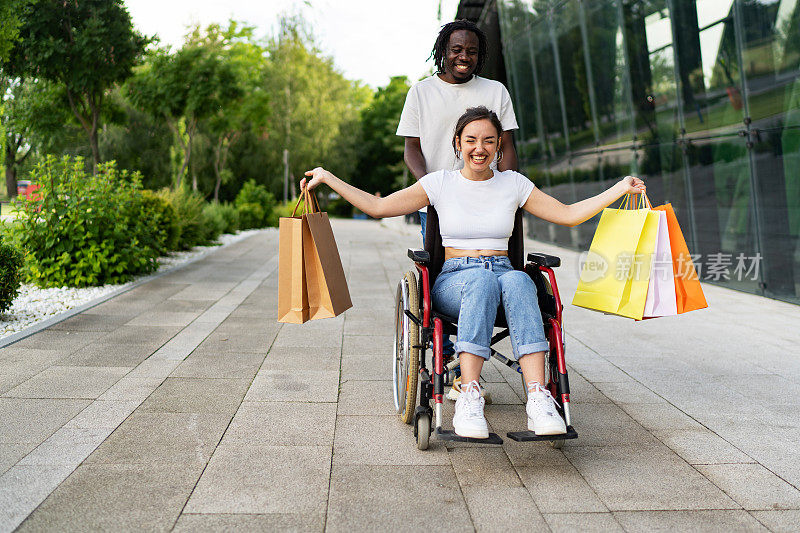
<point x="285" y="175"/>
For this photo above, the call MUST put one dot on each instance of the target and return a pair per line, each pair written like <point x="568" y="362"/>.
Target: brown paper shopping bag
<point x="292" y="288"/>
<point x="328" y="294"/>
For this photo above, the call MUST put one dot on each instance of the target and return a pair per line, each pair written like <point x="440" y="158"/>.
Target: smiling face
<point x="478" y="144"/>
<point x="462" y="56"/>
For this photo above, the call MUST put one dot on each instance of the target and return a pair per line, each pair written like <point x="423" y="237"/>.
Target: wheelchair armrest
<point x="419" y="256"/>
<point x="544" y="260"/>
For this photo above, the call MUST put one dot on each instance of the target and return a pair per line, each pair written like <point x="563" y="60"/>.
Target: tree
<point x="380" y="151"/>
<point x="247" y="105"/>
<point x="312" y="106"/>
<point x="86" y="45"/>
<point x="33" y="118"/>
<point x="9" y="24"/>
<point x="184" y="87"/>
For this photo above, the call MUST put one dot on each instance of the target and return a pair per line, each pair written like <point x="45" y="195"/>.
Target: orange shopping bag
<point x="689" y="295"/>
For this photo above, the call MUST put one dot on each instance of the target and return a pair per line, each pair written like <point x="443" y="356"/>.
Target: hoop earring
<point x="499" y="155"/>
<point x="458" y="154"/>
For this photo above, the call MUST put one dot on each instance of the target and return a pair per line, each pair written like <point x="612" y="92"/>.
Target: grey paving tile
<point x="67" y="447"/>
<point x="154" y="367"/>
<point x="589" y="522"/>
<point x="64" y="341"/>
<point x="266" y="523"/>
<point x="219" y="365"/>
<point x="22" y="488"/>
<point x="279" y="424"/>
<point x="89" y="321"/>
<point x="133" y="389"/>
<point x="264" y="479"/>
<point x="719" y="520"/>
<point x="17" y="414"/>
<point x="355" y="505"/>
<point x="502" y="509"/>
<point x="289" y="386"/>
<point x="752" y="486"/>
<point x="367" y="367"/>
<point x="103" y="353"/>
<point x="483" y="467"/>
<point x="162" y="438"/>
<point x="240" y="342"/>
<point x="69" y="382"/>
<point x="11" y="453"/>
<point x="779" y="521"/>
<point x="701" y="446"/>
<point x="299" y="359"/>
<point x="252" y="325"/>
<point x="291" y="336"/>
<point x="197" y="395"/>
<point x="642" y="477"/>
<point x="366" y="398"/>
<point x="381" y="440"/>
<point x="660" y="416"/>
<point x="377" y="346"/>
<point x="560" y="489"/>
<point x="115" y="498"/>
<point x="154" y="334"/>
<point x="164" y="318"/>
<point x="103" y="414"/>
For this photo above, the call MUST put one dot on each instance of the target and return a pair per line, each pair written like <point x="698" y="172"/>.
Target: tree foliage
<point x="380" y="151"/>
<point x="85" y="45"/>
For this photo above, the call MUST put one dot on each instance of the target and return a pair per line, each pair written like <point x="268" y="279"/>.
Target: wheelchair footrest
<point x="449" y="434"/>
<point x="525" y="436"/>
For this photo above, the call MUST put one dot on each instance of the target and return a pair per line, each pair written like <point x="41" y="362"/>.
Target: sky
<point x="369" y="40"/>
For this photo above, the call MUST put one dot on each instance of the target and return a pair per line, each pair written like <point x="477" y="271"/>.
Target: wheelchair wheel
<point x="423" y="431"/>
<point x="406" y="354"/>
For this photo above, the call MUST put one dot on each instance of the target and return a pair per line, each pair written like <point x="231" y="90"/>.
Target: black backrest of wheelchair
<point x="433" y="244"/>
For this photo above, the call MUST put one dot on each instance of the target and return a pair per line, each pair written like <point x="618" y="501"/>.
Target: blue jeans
<point x="472" y="288"/>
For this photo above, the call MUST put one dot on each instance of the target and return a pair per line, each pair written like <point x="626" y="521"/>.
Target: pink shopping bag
<point x="661" y="300"/>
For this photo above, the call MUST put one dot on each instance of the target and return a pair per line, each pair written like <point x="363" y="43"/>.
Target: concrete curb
<point x="44" y="324"/>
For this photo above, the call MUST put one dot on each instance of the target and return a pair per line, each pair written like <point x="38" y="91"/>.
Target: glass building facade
<point x="700" y="98"/>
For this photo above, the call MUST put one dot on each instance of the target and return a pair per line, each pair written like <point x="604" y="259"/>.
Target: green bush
<point x="192" y="224"/>
<point x="82" y="229"/>
<point x="255" y="205"/>
<point x="10" y="274"/>
<point x="166" y="229"/>
<point x="224" y="218"/>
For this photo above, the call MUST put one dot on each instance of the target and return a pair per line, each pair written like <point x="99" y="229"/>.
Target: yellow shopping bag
<point x="616" y="274"/>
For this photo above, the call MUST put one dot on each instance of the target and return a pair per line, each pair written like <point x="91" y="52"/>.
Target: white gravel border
<point x="35" y="309"/>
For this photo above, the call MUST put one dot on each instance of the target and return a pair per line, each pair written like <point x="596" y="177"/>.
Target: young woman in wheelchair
<point x="476" y="207"/>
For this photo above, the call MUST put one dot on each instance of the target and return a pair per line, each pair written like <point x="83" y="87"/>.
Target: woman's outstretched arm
<point x="548" y="208"/>
<point x="403" y="202"/>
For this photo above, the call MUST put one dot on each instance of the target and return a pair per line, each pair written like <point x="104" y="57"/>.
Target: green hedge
<point x="10" y="274"/>
<point x="83" y="229"/>
<point x="256" y="206"/>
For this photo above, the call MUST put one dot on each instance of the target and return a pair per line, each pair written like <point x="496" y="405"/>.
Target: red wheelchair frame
<point x="419" y="326"/>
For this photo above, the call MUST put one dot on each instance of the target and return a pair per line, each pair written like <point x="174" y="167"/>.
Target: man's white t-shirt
<point x="433" y="106"/>
<point x="476" y="215"/>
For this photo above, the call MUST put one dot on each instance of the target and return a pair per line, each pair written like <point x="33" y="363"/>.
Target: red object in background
<point x="27" y="189"/>
<point x="735" y="97"/>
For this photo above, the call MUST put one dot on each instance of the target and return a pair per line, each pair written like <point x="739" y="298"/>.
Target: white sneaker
<point x="468" y="420"/>
<point x="455" y="391"/>
<point x="543" y="418"/>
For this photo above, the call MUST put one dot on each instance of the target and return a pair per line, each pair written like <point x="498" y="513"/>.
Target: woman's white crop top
<point x="476" y="215"/>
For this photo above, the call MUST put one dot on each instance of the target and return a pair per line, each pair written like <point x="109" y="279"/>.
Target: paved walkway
<point x="184" y="405"/>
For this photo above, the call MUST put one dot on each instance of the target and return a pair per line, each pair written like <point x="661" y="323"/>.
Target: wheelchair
<point x="419" y="327"/>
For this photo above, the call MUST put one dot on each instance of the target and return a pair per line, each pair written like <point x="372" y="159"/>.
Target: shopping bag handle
<point x="642" y="202"/>
<point x="310" y="204"/>
<point x="313" y="205"/>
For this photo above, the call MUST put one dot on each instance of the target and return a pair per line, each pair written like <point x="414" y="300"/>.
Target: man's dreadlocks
<point x="439" y="52"/>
